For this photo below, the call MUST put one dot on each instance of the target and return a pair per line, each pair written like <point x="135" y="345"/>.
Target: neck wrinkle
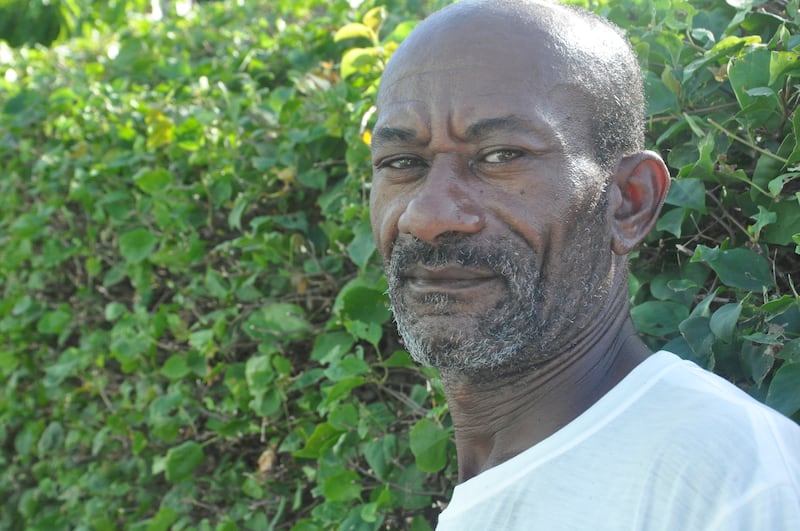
<point x="497" y="420"/>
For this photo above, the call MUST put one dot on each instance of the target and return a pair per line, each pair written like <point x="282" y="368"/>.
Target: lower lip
<point x="448" y="285"/>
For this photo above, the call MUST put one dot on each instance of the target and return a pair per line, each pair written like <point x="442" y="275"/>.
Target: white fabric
<point x="672" y="447"/>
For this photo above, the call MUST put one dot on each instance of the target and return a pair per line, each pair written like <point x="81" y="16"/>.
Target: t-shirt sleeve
<point x="773" y="507"/>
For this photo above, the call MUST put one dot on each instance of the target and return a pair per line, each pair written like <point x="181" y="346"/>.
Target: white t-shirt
<point x="672" y="447"/>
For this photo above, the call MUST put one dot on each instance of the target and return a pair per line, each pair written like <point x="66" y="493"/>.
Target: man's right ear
<point x="639" y="187"/>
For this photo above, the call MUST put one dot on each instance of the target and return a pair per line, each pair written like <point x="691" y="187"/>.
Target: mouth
<point x="446" y="280"/>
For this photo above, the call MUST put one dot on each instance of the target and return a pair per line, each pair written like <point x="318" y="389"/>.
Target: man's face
<point x="487" y="206"/>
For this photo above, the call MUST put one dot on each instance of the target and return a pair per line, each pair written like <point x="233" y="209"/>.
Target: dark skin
<point x="480" y="134"/>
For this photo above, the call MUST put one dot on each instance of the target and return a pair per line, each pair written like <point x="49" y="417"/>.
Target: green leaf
<point x="276" y="320"/>
<point x="114" y="310"/>
<point x="28" y="436"/>
<point x="52" y="438"/>
<point x="737" y="268"/>
<point x="164" y="518"/>
<point x="671" y="221"/>
<point x="341" y="389"/>
<point x="331" y="346"/>
<point x="344" y="417"/>
<point x="217" y="285"/>
<point x="429" y="445"/>
<point x="8" y="361"/>
<point x="658" y="318"/>
<point x="349" y="366"/>
<point x="380" y="454"/>
<point x="779" y="305"/>
<point x="697" y="333"/>
<point x="342" y="487"/>
<point x="763" y="218"/>
<point x="751" y="72"/>
<point x="723" y="321"/>
<point x="71" y="362"/>
<point x="153" y="181"/>
<point x="365" y="304"/>
<point x="235" y="215"/>
<point x="660" y="98"/>
<point x="784" y="392"/>
<point x="790" y="351"/>
<point x="265" y="402"/>
<point x="356" y="60"/>
<point x="136" y="245"/>
<point x="190" y="135"/>
<point x="760" y="91"/>
<point x="399" y="358"/>
<point x="758" y="359"/>
<point x="182" y="460"/>
<point x="323" y="437"/>
<point x="54" y="322"/>
<point x="175" y="367"/>
<point x="259" y="372"/>
<point x="786" y="224"/>
<point x="370" y="332"/>
<point x="782" y="63"/>
<point x="362" y="246"/>
<point x="775" y="186"/>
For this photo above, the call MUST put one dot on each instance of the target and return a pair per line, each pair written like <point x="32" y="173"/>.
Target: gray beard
<point x="541" y="315"/>
<point x="512" y="337"/>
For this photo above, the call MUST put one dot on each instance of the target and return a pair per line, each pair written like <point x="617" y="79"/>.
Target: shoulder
<point x="720" y="426"/>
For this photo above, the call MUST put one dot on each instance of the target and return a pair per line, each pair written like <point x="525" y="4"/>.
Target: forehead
<point x="438" y="95"/>
<point x="463" y="69"/>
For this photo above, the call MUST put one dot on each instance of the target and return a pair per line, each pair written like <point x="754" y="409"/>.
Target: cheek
<point x="529" y="214"/>
<point x="384" y="214"/>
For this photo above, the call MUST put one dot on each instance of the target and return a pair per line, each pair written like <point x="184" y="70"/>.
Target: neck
<point x="499" y="419"/>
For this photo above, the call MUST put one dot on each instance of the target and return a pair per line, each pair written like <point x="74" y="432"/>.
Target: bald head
<point x="580" y="49"/>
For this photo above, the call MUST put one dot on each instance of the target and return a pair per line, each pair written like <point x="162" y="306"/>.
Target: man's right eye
<point x="401" y="163"/>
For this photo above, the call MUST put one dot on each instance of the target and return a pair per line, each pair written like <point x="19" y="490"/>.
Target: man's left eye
<point x="502" y="155"/>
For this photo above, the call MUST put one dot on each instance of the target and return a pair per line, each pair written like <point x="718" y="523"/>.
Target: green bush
<point x="193" y="326"/>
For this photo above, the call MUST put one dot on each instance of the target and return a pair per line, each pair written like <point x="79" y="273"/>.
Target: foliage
<point x="193" y="326"/>
<point x="29" y="21"/>
<point x="717" y="279"/>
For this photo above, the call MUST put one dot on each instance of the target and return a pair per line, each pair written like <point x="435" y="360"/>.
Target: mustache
<point x="498" y="256"/>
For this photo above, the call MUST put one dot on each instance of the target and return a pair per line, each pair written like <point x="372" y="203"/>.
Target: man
<point x="510" y="183"/>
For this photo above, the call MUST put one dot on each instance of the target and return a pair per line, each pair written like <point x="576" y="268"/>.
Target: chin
<point x="471" y="352"/>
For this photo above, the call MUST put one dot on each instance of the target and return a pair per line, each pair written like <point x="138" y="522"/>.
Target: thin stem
<point x="731" y="218"/>
<point x="748" y="143"/>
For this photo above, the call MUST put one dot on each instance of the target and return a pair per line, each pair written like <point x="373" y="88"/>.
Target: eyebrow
<point x="503" y="124"/>
<point x="386" y="135"/>
<point x="474" y="132"/>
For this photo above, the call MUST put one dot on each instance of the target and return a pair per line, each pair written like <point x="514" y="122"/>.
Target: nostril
<point x="448" y="236"/>
<point x="428" y="220"/>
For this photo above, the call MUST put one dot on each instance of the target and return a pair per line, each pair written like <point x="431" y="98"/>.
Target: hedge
<point x="194" y="332"/>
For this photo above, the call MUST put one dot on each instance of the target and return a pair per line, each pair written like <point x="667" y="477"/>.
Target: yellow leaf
<point x="159" y="129"/>
<point x="366" y="137"/>
<point x="266" y="462"/>
<point x="286" y="175"/>
<point x="375" y="17"/>
<point x="389" y="48"/>
<point x="354" y="30"/>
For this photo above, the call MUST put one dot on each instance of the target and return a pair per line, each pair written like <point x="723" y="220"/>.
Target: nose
<point x="442" y="204"/>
